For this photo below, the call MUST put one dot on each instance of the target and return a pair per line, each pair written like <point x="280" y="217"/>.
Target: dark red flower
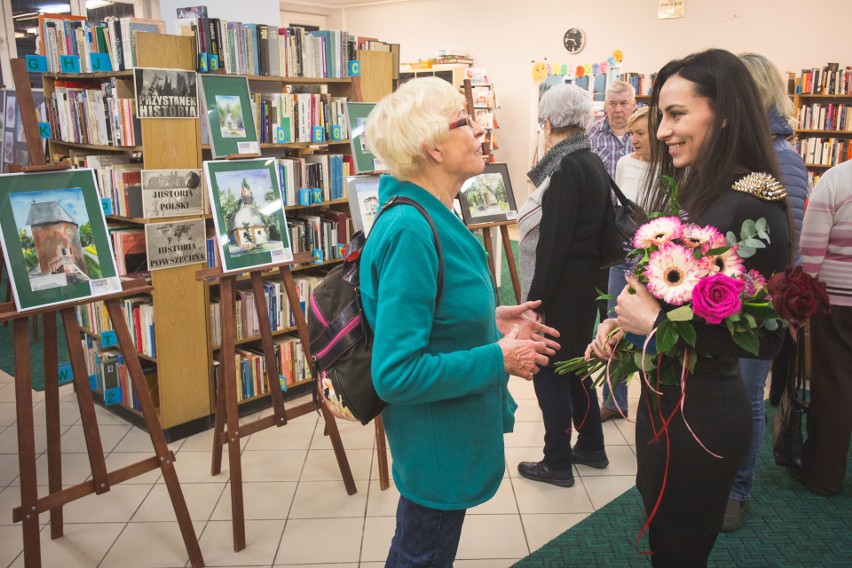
<point x="796" y="296"/>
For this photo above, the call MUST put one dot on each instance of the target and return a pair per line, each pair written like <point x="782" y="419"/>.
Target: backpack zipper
<point x="344" y="331"/>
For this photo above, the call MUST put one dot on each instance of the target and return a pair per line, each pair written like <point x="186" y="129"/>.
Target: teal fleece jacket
<point x="440" y="372"/>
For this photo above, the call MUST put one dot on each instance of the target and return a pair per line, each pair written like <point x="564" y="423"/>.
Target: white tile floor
<point x="294" y="496"/>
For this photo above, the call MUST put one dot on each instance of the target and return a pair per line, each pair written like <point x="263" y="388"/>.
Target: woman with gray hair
<point x="442" y="365"/>
<point x="561" y="227"/>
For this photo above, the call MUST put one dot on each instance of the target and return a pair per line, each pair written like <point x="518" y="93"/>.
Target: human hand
<point x="637" y="309"/>
<point x="605" y="340"/>
<point x="529" y="322"/>
<point x="522" y="357"/>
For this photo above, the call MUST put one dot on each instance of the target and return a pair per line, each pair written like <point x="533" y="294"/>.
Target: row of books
<point x="94" y="112"/>
<point x="128" y="244"/>
<point x="326" y="172"/>
<point x="66" y="34"/>
<point x="109" y="376"/>
<point x="251" y="368"/>
<point x="828" y="80"/>
<point x="118" y="179"/>
<point x="825" y="117"/>
<point x="641" y="83"/>
<point x="246" y="321"/>
<point x="138" y="313"/>
<point x="323" y="235"/>
<point x="298" y="114"/>
<point x="825" y="151"/>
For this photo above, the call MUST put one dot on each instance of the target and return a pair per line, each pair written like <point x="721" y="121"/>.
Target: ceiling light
<point x="92" y="4"/>
<point x="56" y="9"/>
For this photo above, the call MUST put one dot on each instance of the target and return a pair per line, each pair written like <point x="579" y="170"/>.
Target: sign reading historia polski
<point x="172" y="193"/>
<point x="165" y="93"/>
<point x="175" y="243"/>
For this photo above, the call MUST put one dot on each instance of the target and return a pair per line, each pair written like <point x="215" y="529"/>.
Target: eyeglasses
<point x="466" y="121"/>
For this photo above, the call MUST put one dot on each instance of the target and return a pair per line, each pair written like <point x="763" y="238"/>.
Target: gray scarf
<point x="554" y="156"/>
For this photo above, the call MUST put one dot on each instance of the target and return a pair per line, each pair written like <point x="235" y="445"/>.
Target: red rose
<point x="796" y="296"/>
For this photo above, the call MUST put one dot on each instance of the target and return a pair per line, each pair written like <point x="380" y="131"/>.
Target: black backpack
<point x="341" y="339"/>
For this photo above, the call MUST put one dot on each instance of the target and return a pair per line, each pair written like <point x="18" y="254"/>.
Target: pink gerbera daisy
<point x="672" y="273"/>
<point x="658" y="232"/>
<point x="728" y="263"/>
<point x="695" y="236"/>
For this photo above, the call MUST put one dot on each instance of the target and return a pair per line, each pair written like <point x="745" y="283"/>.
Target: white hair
<point x="566" y="106"/>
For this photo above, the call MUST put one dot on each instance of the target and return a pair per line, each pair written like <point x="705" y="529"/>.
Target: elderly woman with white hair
<point x="442" y="366"/>
<point x="561" y="228"/>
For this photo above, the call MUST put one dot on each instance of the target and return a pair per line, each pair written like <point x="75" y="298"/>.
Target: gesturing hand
<point x="637" y="310"/>
<point x="604" y="341"/>
<point x="522" y="357"/>
<point x="529" y="324"/>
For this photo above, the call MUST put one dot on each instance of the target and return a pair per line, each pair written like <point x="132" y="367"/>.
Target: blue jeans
<point x="424" y="537"/>
<point x="617" y="282"/>
<point x="754" y="372"/>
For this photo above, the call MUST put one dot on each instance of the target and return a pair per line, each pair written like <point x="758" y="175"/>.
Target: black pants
<point x="829" y="421"/>
<point x="684" y="528"/>
<point x="561" y="398"/>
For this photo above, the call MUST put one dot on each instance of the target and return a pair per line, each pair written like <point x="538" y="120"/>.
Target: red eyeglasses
<point x="466" y="121"/>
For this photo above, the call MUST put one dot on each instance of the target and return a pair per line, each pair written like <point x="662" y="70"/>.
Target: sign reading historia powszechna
<point x="172" y="193"/>
<point x="175" y="243"/>
<point x="165" y="93"/>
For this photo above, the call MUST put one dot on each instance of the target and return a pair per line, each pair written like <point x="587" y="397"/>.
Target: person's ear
<point x="434" y="152"/>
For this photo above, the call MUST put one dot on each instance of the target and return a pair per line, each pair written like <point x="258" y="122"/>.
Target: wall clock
<point x="574" y="40"/>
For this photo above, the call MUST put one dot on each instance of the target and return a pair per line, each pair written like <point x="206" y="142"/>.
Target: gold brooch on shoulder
<point x="761" y="185"/>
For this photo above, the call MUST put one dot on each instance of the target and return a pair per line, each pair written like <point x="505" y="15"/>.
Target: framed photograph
<point x="356" y="118"/>
<point x="55" y="239"/>
<point x="488" y="197"/>
<point x="363" y="201"/>
<point x="245" y="198"/>
<point x="171" y="193"/>
<point x="227" y="115"/>
<point x="165" y="93"/>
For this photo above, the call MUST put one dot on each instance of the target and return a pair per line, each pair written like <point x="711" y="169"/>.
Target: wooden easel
<point x="227" y="428"/>
<point x="102" y="480"/>
<point x="507" y="246"/>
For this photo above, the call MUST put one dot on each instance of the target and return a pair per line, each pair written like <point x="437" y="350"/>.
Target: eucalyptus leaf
<point x="747" y="229"/>
<point x="760" y="225"/>
<point x="755" y="243"/>
<point x="683" y="313"/>
<point x="770" y="324"/>
<point x="745" y="251"/>
<point x="731" y="238"/>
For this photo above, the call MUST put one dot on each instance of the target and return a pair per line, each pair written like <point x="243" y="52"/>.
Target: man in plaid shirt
<point x="609" y="137"/>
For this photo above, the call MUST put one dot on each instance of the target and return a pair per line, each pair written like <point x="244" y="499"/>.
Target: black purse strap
<point x="797" y="385"/>
<point x="618" y="193"/>
<point x="401" y="200"/>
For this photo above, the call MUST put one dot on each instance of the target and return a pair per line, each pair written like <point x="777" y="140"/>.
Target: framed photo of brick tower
<point x="54" y="237"/>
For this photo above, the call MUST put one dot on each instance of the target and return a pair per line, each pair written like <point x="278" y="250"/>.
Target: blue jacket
<point x="794" y="175"/>
<point x="440" y="372"/>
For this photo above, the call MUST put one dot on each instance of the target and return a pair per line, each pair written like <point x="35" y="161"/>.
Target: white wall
<point x="255" y="11"/>
<point x="507" y="35"/>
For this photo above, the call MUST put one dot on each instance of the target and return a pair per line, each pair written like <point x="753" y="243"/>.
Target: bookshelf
<point x="179" y="301"/>
<point x="822" y="100"/>
<point x="451" y="72"/>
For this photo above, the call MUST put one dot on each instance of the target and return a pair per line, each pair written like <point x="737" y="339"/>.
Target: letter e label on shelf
<point x="318" y="134"/>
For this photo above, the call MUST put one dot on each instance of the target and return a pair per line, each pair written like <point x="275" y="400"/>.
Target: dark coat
<point x="567" y="258"/>
<point x="794" y="175"/>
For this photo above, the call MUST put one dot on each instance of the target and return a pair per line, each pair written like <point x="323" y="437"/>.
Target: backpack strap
<point x="400" y="200"/>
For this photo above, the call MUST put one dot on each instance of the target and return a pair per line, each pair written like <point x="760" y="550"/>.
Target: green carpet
<point x="787" y="526"/>
<point x="7" y="360"/>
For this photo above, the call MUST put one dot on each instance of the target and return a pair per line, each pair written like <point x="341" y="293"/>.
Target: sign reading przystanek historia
<point x="175" y="243"/>
<point x="165" y="93"/>
<point x="172" y="193"/>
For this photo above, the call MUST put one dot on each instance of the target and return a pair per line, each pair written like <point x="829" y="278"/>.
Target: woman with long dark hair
<point x="711" y="138"/>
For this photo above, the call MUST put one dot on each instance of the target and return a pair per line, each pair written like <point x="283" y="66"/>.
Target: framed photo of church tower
<point x="245" y="197"/>
<point x="227" y="115"/>
<point x="54" y="237"/>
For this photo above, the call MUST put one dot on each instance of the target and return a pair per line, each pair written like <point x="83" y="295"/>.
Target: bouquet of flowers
<point x="700" y="274"/>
